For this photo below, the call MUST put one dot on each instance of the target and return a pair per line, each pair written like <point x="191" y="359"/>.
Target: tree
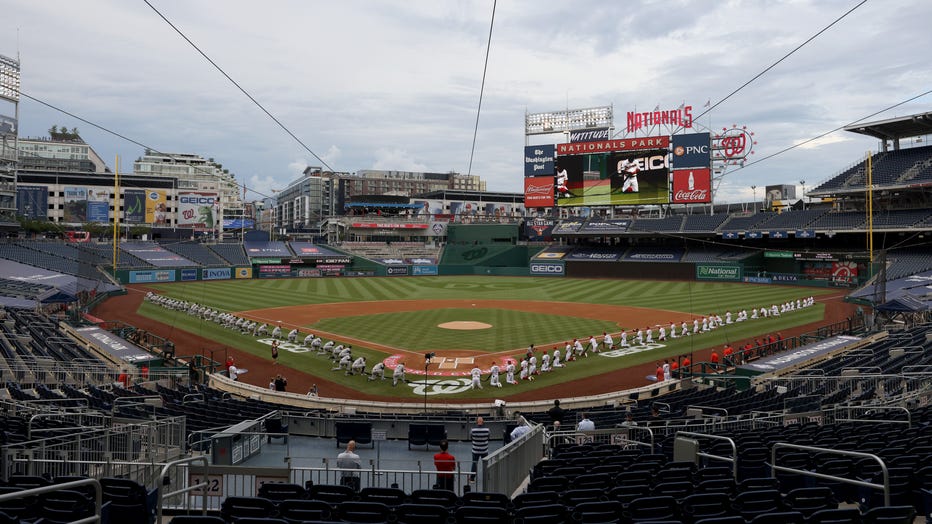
<point x="74" y="131"/>
<point x="53" y="131"/>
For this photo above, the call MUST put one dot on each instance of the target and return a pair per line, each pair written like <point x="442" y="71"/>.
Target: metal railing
<point x="185" y="487"/>
<point x="885" y="487"/>
<point x="732" y="460"/>
<point x="506" y="468"/>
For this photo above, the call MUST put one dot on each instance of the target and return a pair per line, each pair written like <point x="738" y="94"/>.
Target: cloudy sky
<point x="395" y="84"/>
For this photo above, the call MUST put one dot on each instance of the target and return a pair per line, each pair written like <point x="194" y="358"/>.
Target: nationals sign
<point x="607" y="146"/>
<point x="692" y="186"/>
<point x="538" y="191"/>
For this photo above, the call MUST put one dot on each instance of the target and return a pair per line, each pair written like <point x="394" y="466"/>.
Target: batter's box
<point x="467" y="361"/>
<point x="447" y="363"/>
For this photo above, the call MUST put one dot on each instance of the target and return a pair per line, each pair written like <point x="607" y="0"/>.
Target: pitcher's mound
<point x="464" y="325"/>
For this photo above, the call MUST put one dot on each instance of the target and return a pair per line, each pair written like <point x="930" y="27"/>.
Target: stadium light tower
<point x="803" y="183"/>
<point x="754" y="189"/>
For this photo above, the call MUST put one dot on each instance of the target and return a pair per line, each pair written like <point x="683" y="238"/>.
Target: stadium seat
<point x="234" y="508"/>
<point x="391" y="497"/>
<point x="704" y="506"/>
<point x="480" y="498"/>
<point x="294" y="510"/>
<point x="128" y="500"/>
<point x="541" y="514"/>
<point x="889" y="515"/>
<point x="534" y="498"/>
<point x="331" y="493"/>
<point x="196" y="519"/>
<point x="779" y="517"/>
<point x="421" y="514"/>
<point x="481" y="515"/>
<point x="749" y="504"/>
<point x="597" y="512"/>
<point x="363" y="512"/>
<point x="652" y="508"/>
<point x="809" y="500"/>
<point x="439" y="497"/>
<point x="835" y="516"/>
<point x="281" y="491"/>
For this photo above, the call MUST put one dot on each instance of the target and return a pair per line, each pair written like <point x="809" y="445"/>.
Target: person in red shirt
<point x="727" y="353"/>
<point x="445" y="462"/>
<point x="714" y="359"/>
<point x="685" y="363"/>
<point x="673" y="367"/>
<point x="659" y="372"/>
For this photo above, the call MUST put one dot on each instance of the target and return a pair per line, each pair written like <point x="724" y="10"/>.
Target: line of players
<point x="575" y="349"/>
<point x="526" y="368"/>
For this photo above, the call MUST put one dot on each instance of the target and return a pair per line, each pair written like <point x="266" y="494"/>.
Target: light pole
<point x="803" y="183"/>
<point x="754" y="189"/>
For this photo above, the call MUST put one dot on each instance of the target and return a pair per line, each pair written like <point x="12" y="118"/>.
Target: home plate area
<point x="455" y="363"/>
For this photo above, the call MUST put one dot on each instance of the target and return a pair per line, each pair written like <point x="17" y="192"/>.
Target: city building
<point x="405" y="183"/>
<point x="308" y="200"/>
<point x="201" y="183"/>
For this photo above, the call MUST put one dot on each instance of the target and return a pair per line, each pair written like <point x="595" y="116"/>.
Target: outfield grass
<point x="414" y="330"/>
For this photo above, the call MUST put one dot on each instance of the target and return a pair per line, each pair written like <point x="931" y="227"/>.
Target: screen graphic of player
<point x="562" y="178"/>
<point x="628" y="171"/>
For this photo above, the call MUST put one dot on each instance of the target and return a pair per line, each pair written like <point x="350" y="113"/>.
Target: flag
<point x="682" y="105"/>
<point x="657" y="108"/>
<point x="708" y="103"/>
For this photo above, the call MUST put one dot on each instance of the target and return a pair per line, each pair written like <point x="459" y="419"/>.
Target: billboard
<point x="550" y="269"/>
<point x="692" y="150"/>
<point x="98" y="205"/>
<point x="134" y="206"/>
<point x="538" y="160"/>
<point x="196" y="210"/>
<point x="75" y="209"/>
<point x="720" y="272"/>
<point x="692" y="186"/>
<point x="538" y="192"/>
<point x="156" y="207"/>
<point x="32" y="202"/>
<point x="635" y="177"/>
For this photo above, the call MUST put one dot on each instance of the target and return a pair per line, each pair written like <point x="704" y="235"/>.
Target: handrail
<point x="166" y="480"/>
<point x="61" y="414"/>
<point x="712" y="408"/>
<point x="774" y="468"/>
<point x="734" y="449"/>
<point x="98" y="496"/>
<point x="908" y="422"/>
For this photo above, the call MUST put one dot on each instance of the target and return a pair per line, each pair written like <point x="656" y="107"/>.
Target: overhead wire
<point x="238" y="86"/>
<point x="485" y="68"/>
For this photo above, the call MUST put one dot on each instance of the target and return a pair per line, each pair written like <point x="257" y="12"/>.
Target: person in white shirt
<point x="607" y="342"/>
<point x="556" y="358"/>
<point x="293" y="335"/>
<point x="476" y="374"/>
<point x="277" y="332"/>
<point x="593" y="344"/>
<point x="378" y="371"/>
<point x="650" y="335"/>
<point x="532" y="366"/>
<point x="510" y="373"/>
<point x="522" y="428"/>
<point x="545" y="363"/>
<point x="661" y="334"/>
<point x="623" y="342"/>
<point x="494" y="376"/>
<point x="585" y="424"/>
<point x="359" y="366"/>
<point x="399" y="374"/>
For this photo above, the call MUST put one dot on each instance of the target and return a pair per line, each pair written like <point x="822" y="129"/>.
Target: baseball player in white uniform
<point x="650" y="335"/>
<point x="344" y="363"/>
<point x="556" y="358"/>
<point x="399" y="374"/>
<point x="476" y="374"/>
<point x="532" y="366"/>
<point x="494" y="376"/>
<point x="672" y="329"/>
<point x="639" y="337"/>
<point x="277" y="332"/>
<point x="523" y="375"/>
<point x="510" y="373"/>
<point x="593" y="344"/>
<point x="293" y="336"/>
<point x="629" y="170"/>
<point x="308" y="340"/>
<point x="378" y="370"/>
<point x="359" y="366"/>
<point x="661" y="334"/>
<point x="623" y="339"/>
<point x="607" y="342"/>
<point x="545" y="363"/>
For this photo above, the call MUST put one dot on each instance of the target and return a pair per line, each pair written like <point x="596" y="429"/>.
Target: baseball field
<point x="472" y="321"/>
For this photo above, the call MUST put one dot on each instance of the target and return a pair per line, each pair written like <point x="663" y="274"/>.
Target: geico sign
<point x="196" y="200"/>
<point x="547" y="268"/>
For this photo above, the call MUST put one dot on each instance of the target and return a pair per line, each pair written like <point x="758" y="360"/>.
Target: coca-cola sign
<point x="538" y="192"/>
<point x="692" y="186"/>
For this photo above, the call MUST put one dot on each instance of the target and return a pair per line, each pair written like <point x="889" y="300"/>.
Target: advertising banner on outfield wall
<point x="141" y="277"/>
<point x="538" y="192"/>
<point x="424" y="270"/>
<point x="692" y="186"/>
<point x="134" y="206"/>
<point x="549" y="269"/>
<point x="98" y="205"/>
<point x="722" y="273"/>
<point x="75" y="204"/>
<point x="221" y="273"/>
<point x="538" y="160"/>
<point x="396" y="271"/>
<point x="243" y="272"/>
<point x="188" y="274"/>
<point x="692" y="150"/>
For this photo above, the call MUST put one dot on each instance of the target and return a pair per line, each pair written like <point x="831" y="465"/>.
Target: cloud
<point x="833" y="138"/>
<point x="396" y="160"/>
